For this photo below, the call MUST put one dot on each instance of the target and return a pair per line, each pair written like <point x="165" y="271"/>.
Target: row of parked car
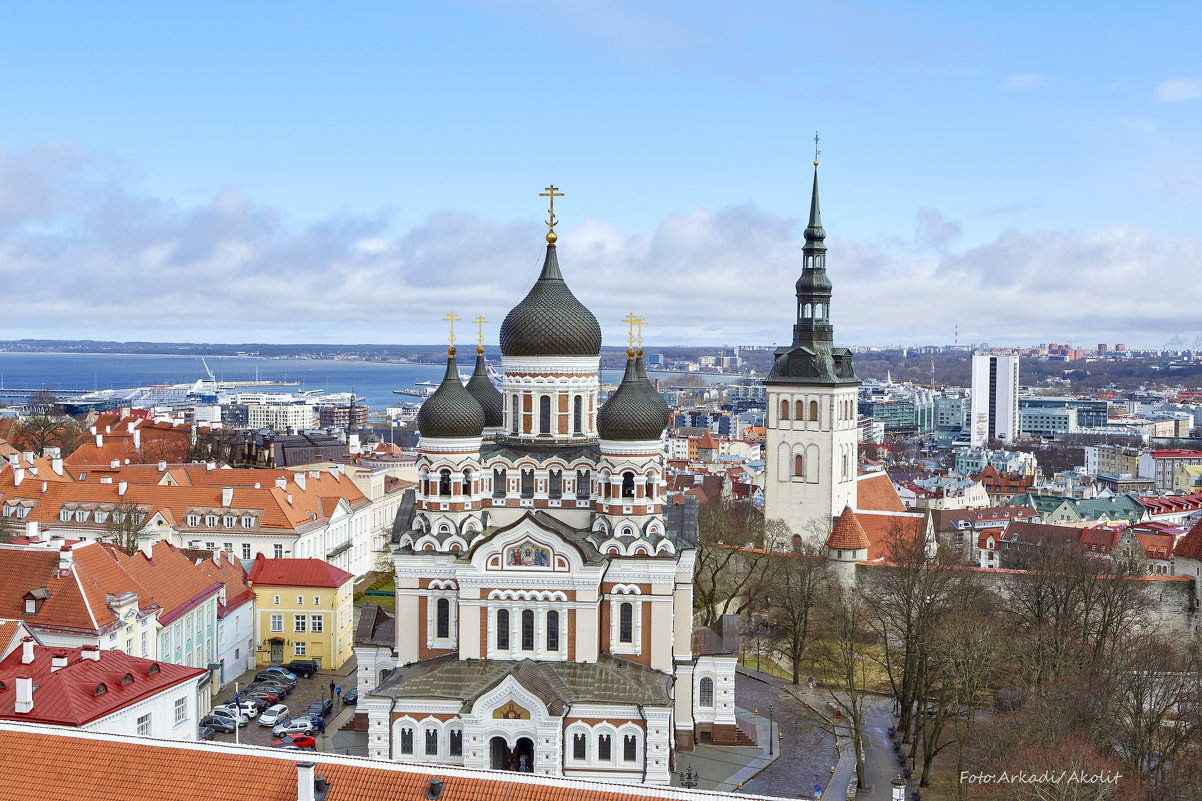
<point x="262" y="699"/>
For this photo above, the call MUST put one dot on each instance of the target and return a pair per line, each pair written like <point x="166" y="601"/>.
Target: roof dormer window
<point x="229" y="521"/>
<point x="81" y="515"/>
<point x="101" y="516"/>
<point x="34" y="600"/>
<point x="64" y="515"/>
<point x="248" y="521"/>
<point x="100" y="689"/>
<point x="193" y="520"/>
<point x="210" y="520"/>
<point x="126" y="679"/>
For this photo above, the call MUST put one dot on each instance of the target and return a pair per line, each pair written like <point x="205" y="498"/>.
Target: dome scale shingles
<point x="451" y="412"/>
<point x="490" y="399"/>
<point x="635" y="411"/>
<point x="550" y="321"/>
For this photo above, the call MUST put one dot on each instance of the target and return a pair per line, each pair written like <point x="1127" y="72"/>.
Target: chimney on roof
<point x="227" y="496"/>
<point x="18" y="476"/>
<point x="137" y="436"/>
<point x="14" y="459"/>
<point x="28" y="456"/>
<point x="24" y="695"/>
<point x="106" y="479"/>
<point x="162" y="465"/>
<point x="304" y="781"/>
<point x="122" y="486"/>
<point x="26" y="650"/>
<point x="114" y="464"/>
<point x="108" y="429"/>
<point x="90" y="652"/>
<point x="44" y="487"/>
<point x="336" y="471"/>
<point x="100" y="440"/>
<point x="434" y="791"/>
<point x="31" y="530"/>
<point x="210" y="466"/>
<point x="56" y="465"/>
<point x="282" y="483"/>
<point x="58" y="662"/>
<point x="65" y="558"/>
<point x="289" y="498"/>
<point x="299" y="479"/>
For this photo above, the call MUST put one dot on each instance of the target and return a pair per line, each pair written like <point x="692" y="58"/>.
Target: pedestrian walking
<point x="339" y="692"/>
<point x="331" y="690"/>
<point x="810" y="681"/>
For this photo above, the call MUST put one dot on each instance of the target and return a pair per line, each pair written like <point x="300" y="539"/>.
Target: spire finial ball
<point x="551" y="237"/>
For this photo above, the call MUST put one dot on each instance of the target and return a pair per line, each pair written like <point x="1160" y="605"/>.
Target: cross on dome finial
<point x="551" y="221"/>
<point x="480" y="321"/>
<point x="452" y="318"/>
<point x="631" y="320"/>
<point x="640" y="322"/>
<point x="817" y="152"/>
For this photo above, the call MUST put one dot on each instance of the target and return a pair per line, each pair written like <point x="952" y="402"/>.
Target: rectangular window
<point x="300" y="600"/>
<point x="630" y="745"/>
<point x="299" y="649"/>
<point x="431" y="742"/>
<point x="145" y="651"/>
<point x="603" y="753"/>
<point x="277" y="600"/>
<point x="246" y="550"/>
<point x="317" y="600"/>
<point x="318" y="624"/>
<point x="277" y="622"/>
<point x="407" y="741"/>
<point x="277" y="551"/>
<point x="456" y="742"/>
<point x="579" y="746"/>
<point x="210" y="546"/>
<point x="228" y="547"/>
<point x="144" y="725"/>
<point x="181" y="710"/>
<point x="298" y="623"/>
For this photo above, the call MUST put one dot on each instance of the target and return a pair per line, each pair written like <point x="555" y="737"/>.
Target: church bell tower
<point x="810" y="454"/>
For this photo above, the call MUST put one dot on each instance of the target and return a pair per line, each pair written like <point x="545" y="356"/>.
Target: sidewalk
<point x="725" y="768"/>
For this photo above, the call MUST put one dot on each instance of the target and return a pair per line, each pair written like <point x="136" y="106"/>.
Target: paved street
<point x="307" y="691"/>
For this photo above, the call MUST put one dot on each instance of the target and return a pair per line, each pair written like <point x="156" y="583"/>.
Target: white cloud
<point x="1024" y="80"/>
<point x="1178" y="90"/>
<point x="88" y="258"/>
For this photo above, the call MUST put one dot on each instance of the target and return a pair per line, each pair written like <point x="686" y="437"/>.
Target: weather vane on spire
<point x="480" y="321"/>
<point x="632" y="320"/>
<point x="817" y="152"/>
<point x="452" y="318"/>
<point x="551" y="221"/>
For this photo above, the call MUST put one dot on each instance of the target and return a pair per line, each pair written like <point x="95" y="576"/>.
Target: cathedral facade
<point x="543" y="605"/>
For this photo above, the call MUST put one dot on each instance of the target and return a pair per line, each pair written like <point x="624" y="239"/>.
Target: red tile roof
<point x="1190" y="546"/>
<point x="68" y="696"/>
<point x="875" y="492"/>
<point x="296" y="573"/>
<point x="885" y="528"/>
<point x="117" y="767"/>
<point x="848" y="534"/>
<point x="176" y="583"/>
<point x="227" y="570"/>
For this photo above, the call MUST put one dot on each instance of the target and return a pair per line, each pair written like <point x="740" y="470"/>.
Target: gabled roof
<point x="77" y="600"/>
<point x="884" y="528"/>
<point x="875" y="492"/>
<point x="296" y="573"/>
<point x="108" y="766"/>
<point x="177" y="584"/>
<point x="71" y="695"/>
<point x="1190" y="546"/>
<point x="223" y="568"/>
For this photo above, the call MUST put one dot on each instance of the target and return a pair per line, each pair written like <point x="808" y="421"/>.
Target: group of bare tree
<point x="1050" y="668"/>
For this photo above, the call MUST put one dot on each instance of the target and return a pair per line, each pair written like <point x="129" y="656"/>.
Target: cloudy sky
<point x="316" y="172"/>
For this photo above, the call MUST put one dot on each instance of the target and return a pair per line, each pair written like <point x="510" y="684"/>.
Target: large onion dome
<point x="451" y="412"/>
<point x="480" y="387"/>
<point x="550" y="321"/>
<point x="632" y="412"/>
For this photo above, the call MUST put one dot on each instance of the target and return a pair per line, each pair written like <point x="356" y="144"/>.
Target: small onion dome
<point x="641" y="370"/>
<point x="550" y="321"/>
<point x="631" y="413"/>
<point x="490" y="399"/>
<point x="848" y="534"/>
<point x="451" y="412"/>
<point x="813" y="282"/>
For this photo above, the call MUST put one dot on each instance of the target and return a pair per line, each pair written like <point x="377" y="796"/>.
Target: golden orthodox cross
<point x="551" y="193"/>
<point x="640" y="322"/>
<point x="452" y="318"/>
<point x="480" y="321"/>
<point x="631" y="319"/>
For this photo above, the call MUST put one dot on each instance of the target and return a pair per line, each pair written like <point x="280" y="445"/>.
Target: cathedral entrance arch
<point x="519" y="758"/>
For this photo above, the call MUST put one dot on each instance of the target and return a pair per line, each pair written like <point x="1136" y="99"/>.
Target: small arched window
<point x="626" y="622"/>
<point x="552" y="630"/>
<point x="544" y="414"/>
<point x="705" y="694"/>
<point x="578" y="415"/>
<point x="527" y="488"/>
<point x="499" y="483"/>
<point x="514" y="416"/>
<point x="813" y="410"/>
<point x="799" y="411"/>
<point x="444" y="482"/>
<point x="502" y="629"/>
<point x="799" y="467"/>
<point x="443" y="629"/>
<point x="583" y="484"/>
<point x="467" y="482"/>
<point x="784" y="410"/>
<point x="527" y="629"/>
<point x="628" y="485"/>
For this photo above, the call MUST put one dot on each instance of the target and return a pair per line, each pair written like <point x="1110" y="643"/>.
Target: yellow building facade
<point x="303" y="611"/>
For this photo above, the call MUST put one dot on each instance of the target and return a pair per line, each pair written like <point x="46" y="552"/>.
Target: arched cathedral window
<point x="499" y="483"/>
<point x="515" y="416"/>
<point x="628" y="485"/>
<point x="705" y="694"/>
<point x="444" y="482"/>
<point x="552" y="630"/>
<point x="544" y="414"/>
<point x="784" y="410"/>
<point x="813" y="410"/>
<point x="502" y="629"/>
<point x="527" y="629"/>
<point x="626" y="622"/>
<point x="555" y="484"/>
<point x="443" y="626"/>
<point x="799" y="465"/>
<point x="578" y="415"/>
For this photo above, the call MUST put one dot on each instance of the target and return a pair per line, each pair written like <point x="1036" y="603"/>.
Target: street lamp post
<point x="771" y="733"/>
<point x="688" y="779"/>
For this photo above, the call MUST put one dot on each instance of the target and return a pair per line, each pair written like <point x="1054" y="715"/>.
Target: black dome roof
<point x="641" y="371"/>
<point x="451" y="412"/>
<point x="490" y="399"/>
<point x="550" y="321"/>
<point x="634" y="411"/>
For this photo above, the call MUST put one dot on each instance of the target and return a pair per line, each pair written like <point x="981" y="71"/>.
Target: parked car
<point x="280" y="686"/>
<point x="275" y="715"/>
<point x="246" y="707"/>
<point x="206" y="733"/>
<point x="281" y="671"/>
<point x="322" y="707"/>
<point x="298" y="740"/>
<point x="351" y="697"/>
<point x="302" y="667"/>
<point x="275" y="678"/>
<point x="229" y="714"/>
<point x="224" y="725"/>
<point x="316" y="720"/>
<point x="259" y="703"/>
<point x="293" y="727"/>
<point x="269" y="695"/>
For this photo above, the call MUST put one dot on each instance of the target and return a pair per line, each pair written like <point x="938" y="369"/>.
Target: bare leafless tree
<point x="734" y="550"/>
<point x="124" y="526"/>
<point x="799" y="583"/>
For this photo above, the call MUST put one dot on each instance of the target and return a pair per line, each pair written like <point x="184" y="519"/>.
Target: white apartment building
<point x="994" y="410"/>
